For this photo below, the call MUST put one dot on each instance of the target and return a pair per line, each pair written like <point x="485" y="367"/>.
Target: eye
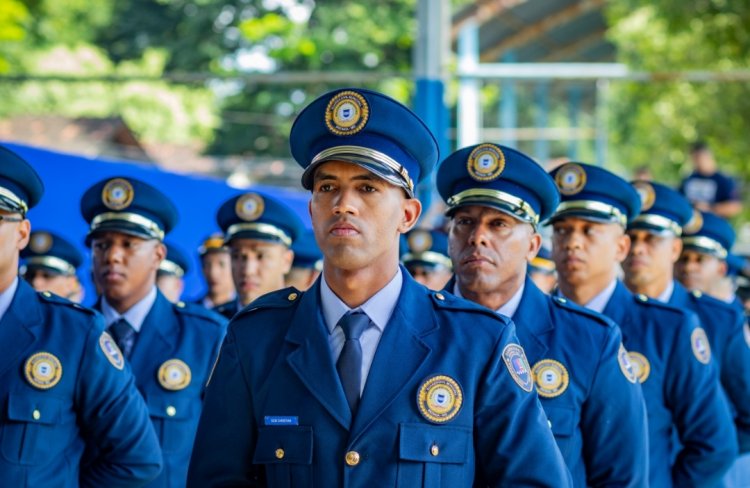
<point x="463" y="221"/>
<point x="369" y="188"/>
<point x="325" y="187"/>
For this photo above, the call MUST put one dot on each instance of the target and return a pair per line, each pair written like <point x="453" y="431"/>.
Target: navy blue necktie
<point x="349" y="364"/>
<point x="124" y="335"/>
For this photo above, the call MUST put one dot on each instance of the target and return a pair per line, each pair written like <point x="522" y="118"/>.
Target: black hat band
<point x="52" y="262"/>
<point x="151" y="227"/>
<point x="171" y="267"/>
<point x="706" y="244"/>
<point x="608" y="212"/>
<point x="15" y="202"/>
<point x="267" y="229"/>
<point x="658" y="221"/>
<point x="428" y="257"/>
<point x="478" y="196"/>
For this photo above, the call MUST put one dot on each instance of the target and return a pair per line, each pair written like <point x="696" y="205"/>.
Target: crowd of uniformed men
<point x="616" y="355"/>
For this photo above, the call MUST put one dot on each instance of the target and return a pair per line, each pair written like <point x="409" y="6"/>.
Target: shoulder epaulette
<point x="199" y="311"/>
<point x="564" y="303"/>
<point x="58" y="300"/>
<point x="447" y="301"/>
<point x="283" y="298"/>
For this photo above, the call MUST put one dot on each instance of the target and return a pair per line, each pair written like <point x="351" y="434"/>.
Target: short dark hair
<point x="699" y="146"/>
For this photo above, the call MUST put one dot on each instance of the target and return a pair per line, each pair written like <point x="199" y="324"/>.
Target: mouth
<point x="343" y="229"/>
<point x="110" y="276"/>
<point x="476" y="260"/>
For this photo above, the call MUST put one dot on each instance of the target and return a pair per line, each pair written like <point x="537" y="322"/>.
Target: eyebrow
<point x="367" y="176"/>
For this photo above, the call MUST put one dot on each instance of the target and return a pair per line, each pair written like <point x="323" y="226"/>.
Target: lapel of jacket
<point x="533" y="321"/>
<point x="159" y="333"/>
<point x="620" y="309"/>
<point x="18" y="325"/>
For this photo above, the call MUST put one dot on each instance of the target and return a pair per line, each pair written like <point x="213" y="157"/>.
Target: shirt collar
<point x="666" y="295"/>
<point x="507" y="309"/>
<point x="135" y="315"/>
<point x="378" y="307"/>
<point x="600" y="301"/>
<point x="6" y="297"/>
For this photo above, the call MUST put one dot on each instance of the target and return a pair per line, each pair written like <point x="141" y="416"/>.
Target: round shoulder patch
<point x="551" y="378"/>
<point x="694" y="224"/>
<point x="174" y="375"/>
<point x="419" y="241"/>
<point x="640" y="365"/>
<point x="111" y="351"/>
<point x="249" y="207"/>
<point x="646" y="193"/>
<point x="570" y="179"/>
<point x="117" y="194"/>
<point x="701" y="347"/>
<point x="347" y="113"/>
<point x="518" y="366"/>
<point x="626" y="366"/>
<point x="41" y="242"/>
<point x="439" y="398"/>
<point x="746" y="333"/>
<point x="486" y="162"/>
<point x="43" y="370"/>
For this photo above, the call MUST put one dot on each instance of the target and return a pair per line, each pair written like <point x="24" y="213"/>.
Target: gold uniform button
<point x="36" y="414"/>
<point x="47" y="294"/>
<point x="440" y="296"/>
<point x="434" y="450"/>
<point x="279" y="454"/>
<point x="180" y="304"/>
<point x="352" y="458"/>
<point x="292" y="297"/>
<point x="171" y="411"/>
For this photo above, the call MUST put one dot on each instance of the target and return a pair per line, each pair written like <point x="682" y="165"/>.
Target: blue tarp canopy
<point x="197" y="198"/>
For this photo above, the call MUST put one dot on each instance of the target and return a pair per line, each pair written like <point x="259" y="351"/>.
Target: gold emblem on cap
<point x="117" y="194"/>
<point x="249" y="207"/>
<point x="486" y="162"/>
<point x="41" y="242"/>
<point x="439" y="399"/>
<point x="626" y="365"/>
<point x="174" y="375"/>
<point x="647" y="194"/>
<point x="43" y="370"/>
<point x="111" y="351"/>
<point x="347" y="113"/>
<point x="419" y="241"/>
<point x="551" y="378"/>
<point x="701" y="346"/>
<point x="570" y="179"/>
<point x="640" y="365"/>
<point x="694" y="224"/>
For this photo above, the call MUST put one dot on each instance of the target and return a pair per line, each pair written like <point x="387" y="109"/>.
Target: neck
<point x="355" y="287"/>
<point x="652" y="288"/>
<point x="219" y="297"/>
<point x="122" y="305"/>
<point x="583" y="293"/>
<point x="492" y="299"/>
<point x="7" y="280"/>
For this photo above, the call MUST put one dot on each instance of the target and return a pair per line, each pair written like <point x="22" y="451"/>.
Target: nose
<point x="478" y="237"/>
<point x="345" y="202"/>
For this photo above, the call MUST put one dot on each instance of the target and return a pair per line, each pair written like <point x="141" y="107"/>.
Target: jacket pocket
<point x="175" y="419"/>
<point x="433" y="455"/>
<point x="38" y="428"/>
<point x="287" y="454"/>
<point x="563" y="421"/>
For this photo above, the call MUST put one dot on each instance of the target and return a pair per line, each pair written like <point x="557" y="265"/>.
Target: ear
<point x="676" y="249"/>
<point x="23" y="234"/>
<point x="160" y="251"/>
<point x="411" y="210"/>
<point x="287" y="258"/>
<point x="723" y="268"/>
<point x="535" y="243"/>
<point x="622" y="247"/>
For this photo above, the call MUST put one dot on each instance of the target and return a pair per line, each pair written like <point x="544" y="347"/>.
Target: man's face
<point x="258" y="267"/>
<point x="434" y="277"/>
<point x="217" y="271"/>
<point x="699" y="271"/>
<point x="13" y="238"/>
<point x="586" y="251"/>
<point x="651" y="257"/>
<point x="170" y="286"/>
<point x="124" y="266"/>
<point x="357" y="217"/>
<point x="41" y="279"/>
<point x="489" y="248"/>
<point x="703" y="160"/>
<point x="301" y="278"/>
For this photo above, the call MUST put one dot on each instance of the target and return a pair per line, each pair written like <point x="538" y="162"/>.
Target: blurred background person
<point x="707" y="188"/>
<point x="50" y="264"/>
<point x="172" y="270"/>
<point x="307" y="264"/>
<point x="542" y="271"/>
<point x="216" y="267"/>
<point x="425" y="256"/>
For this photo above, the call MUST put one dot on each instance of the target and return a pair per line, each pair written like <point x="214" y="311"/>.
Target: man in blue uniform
<point x="170" y="346"/>
<point x="668" y="350"/>
<point x="50" y="263"/>
<point x="368" y="378"/>
<point x="216" y="267"/>
<point x="542" y="270"/>
<point x="655" y="246"/>
<point x="426" y="257"/>
<point x="496" y="197"/>
<point x="171" y="273"/>
<point x="307" y="264"/>
<point x="259" y="231"/>
<point x="63" y="382"/>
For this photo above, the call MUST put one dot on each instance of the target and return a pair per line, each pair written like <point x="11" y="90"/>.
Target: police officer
<point x="259" y="231"/>
<point x="496" y="198"/>
<point x="368" y="378"/>
<point x="63" y="382"/>
<point x="655" y="246"/>
<point x="171" y="347"/>
<point x="307" y="263"/>
<point x="50" y="264"/>
<point x="426" y="257"/>
<point x="668" y="350"/>
<point x="171" y="273"/>
<point x="216" y="267"/>
<point x="542" y="270"/>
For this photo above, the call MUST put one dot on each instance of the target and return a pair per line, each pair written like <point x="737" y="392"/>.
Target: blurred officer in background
<point x="542" y="271"/>
<point x="496" y="198"/>
<point x="171" y="273"/>
<point x="50" y="263"/>
<point x="216" y="266"/>
<point x="307" y="263"/>
<point x="425" y="256"/>
<point x="171" y="347"/>
<point x="667" y="348"/>
<point x="259" y="231"/>
<point x="63" y="381"/>
<point x="368" y="378"/>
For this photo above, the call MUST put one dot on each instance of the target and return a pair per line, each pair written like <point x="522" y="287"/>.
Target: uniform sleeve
<point x="225" y="441"/>
<point x="115" y="420"/>
<point x="514" y="444"/>
<point x="700" y="412"/>
<point x="735" y="377"/>
<point x="613" y="416"/>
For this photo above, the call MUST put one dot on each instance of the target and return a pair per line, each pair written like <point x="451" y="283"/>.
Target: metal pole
<point x="469" y="115"/>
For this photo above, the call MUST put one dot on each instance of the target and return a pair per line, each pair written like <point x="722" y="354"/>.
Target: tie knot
<point x="121" y="326"/>
<point x="354" y="323"/>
